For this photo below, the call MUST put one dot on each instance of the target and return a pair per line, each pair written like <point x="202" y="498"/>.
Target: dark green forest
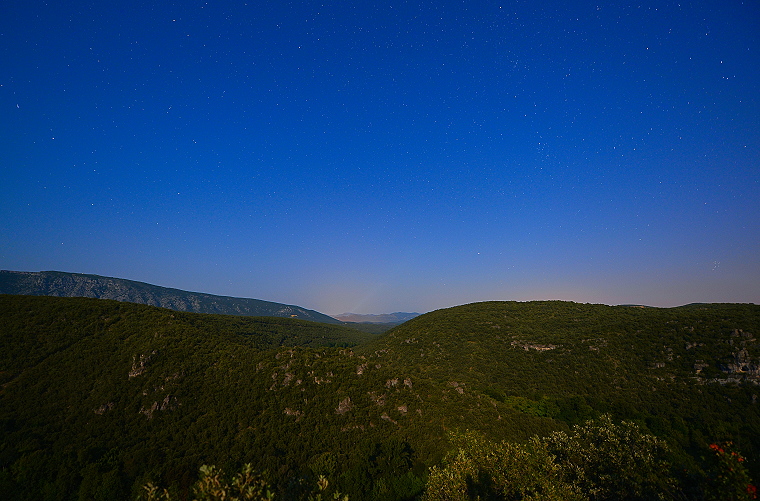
<point x="100" y="398"/>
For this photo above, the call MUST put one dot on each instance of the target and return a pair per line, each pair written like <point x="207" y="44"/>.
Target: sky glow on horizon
<point x="380" y="157"/>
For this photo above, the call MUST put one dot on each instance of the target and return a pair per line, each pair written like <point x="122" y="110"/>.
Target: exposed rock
<point x="344" y="406"/>
<point x="104" y="408"/>
<point x="139" y="366"/>
<point x="386" y="417"/>
<point x="168" y="404"/>
<point x="290" y="412"/>
<point x="742" y="364"/>
<point x="699" y="366"/>
<point x="533" y="346"/>
<point x="456" y="386"/>
<point x="379" y="400"/>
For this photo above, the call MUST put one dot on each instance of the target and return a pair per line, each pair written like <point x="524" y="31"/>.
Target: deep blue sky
<point x="386" y="156"/>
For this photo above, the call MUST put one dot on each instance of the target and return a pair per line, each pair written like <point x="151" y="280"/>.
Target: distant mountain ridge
<point x="383" y="318"/>
<point x="63" y="284"/>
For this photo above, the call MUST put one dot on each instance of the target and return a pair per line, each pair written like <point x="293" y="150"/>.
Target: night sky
<point x="386" y="156"/>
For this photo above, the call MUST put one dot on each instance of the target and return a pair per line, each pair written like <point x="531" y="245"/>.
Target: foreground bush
<point x="599" y="460"/>
<point x="727" y="475"/>
<point x="610" y="461"/>
<point x="246" y="485"/>
<point x="485" y="470"/>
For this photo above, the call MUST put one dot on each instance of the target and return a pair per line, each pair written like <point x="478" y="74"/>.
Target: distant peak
<point x="382" y="318"/>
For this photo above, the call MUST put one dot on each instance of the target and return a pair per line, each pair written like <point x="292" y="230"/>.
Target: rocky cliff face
<point x="61" y="284"/>
<point x="742" y="367"/>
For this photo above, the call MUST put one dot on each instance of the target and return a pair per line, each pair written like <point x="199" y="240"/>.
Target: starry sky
<point x="386" y="156"/>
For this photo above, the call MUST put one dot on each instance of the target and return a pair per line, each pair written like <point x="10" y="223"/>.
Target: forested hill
<point x="99" y="397"/>
<point x="570" y="361"/>
<point x="62" y="284"/>
<point x="579" y="345"/>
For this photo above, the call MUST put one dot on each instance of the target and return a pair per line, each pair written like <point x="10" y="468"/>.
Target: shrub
<point x="484" y="470"/>
<point x="247" y="485"/>
<point x="728" y="479"/>
<point x="599" y="460"/>
<point x="613" y="461"/>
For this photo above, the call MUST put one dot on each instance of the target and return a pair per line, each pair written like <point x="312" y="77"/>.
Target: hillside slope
<point x="619" y="359"/>
<point x="61" y="284"/>
<point x="99" y="397"/>
<point x="688" y="374"/>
